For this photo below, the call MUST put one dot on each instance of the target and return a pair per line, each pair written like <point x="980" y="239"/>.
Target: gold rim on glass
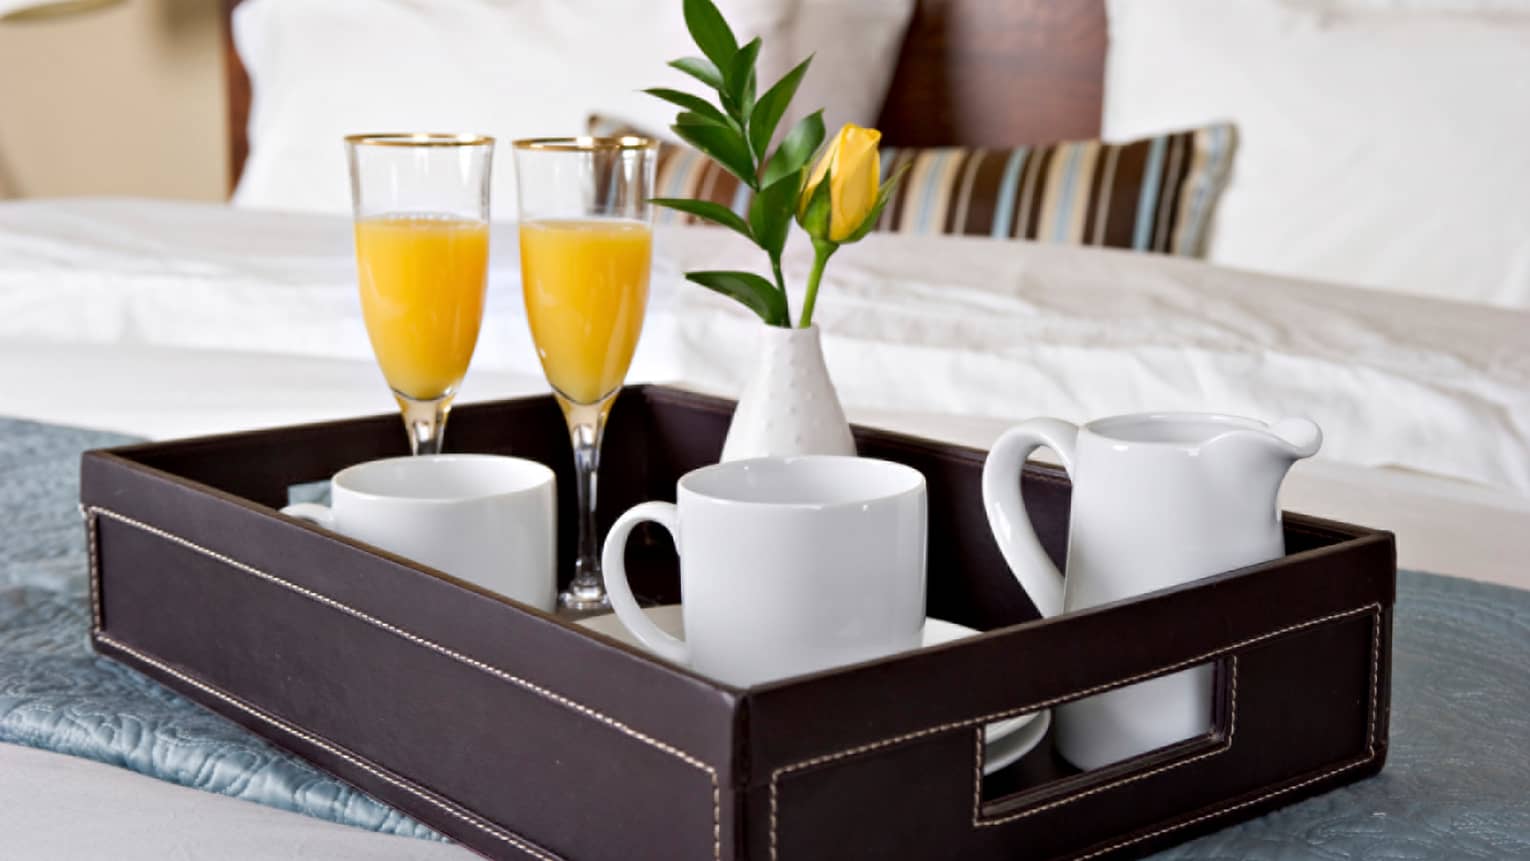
<point x="417" y="139"/>
<point x="586" y="144"/>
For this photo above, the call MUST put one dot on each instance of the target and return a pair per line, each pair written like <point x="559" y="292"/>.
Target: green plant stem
<point x="821" y="252"/>
<point x="775" y="266"/>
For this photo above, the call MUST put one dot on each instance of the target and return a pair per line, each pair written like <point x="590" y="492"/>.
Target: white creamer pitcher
<point x="1159" y="499"/>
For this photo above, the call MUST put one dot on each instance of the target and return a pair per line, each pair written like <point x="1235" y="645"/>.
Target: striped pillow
<point x="1154" y="194"/>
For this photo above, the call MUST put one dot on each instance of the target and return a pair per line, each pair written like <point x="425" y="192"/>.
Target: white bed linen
<point x="176" y="319"/>
<point x="167" y="392"/>
<point x="950" y="325"/>
<point x="118" y="271"/>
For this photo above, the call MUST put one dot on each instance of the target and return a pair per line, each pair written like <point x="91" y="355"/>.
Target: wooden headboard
<point x="972" y="72"/>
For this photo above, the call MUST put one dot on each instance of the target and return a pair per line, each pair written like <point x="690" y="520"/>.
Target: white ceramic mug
<point x="486" y="519"/>
<point x="787" y="565"/>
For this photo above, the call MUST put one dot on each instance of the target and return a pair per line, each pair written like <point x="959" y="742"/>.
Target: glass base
<point x="584" y="598"/>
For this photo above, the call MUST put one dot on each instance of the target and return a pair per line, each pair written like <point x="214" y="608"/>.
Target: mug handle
<point x="319" y="515"/>
<point x="613" y="561"/>
<point x="1006" y="508"/>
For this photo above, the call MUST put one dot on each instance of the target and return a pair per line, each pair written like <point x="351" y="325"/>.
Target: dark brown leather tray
<point x="519" y="734"/>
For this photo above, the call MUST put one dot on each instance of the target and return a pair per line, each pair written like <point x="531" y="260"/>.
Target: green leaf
<point x="711" y="32"/>
<point x="770" y="213"/>
<point x="713" y="212"/>
<point x="884" y="194"/>
<point x="750" y="290"/>
<point x="795" y="150"/>
<point x="701" y="70"/>
<point x="771" y="106"/>
<point x="725" y="145"/>
<point x="739" y="78"/>
<point x="691" y="118"/>
<point x="693" y="103"/>
<point x="818" y="214"/>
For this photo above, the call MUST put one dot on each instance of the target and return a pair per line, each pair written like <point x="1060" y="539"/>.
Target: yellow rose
<point x="855" y="172"/>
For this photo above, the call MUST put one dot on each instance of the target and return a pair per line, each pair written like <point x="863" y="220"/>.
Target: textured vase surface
<point x="788" y="406"/>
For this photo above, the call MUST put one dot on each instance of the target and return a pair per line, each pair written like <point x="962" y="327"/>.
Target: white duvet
<point x="966" y="327"/>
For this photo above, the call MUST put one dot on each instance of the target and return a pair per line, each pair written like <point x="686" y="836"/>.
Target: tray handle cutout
<point x="1043" y="779"/>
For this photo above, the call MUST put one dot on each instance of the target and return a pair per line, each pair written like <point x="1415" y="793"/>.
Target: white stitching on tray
<point x="392" y="629"/>
<point x="453" y="809"/>
<point x="95" y="587"/>
<point x="1370" y="754"/>
<point x="977" y="773"/>
<point x="1230" y="808"/>
<point x="1226" y="745"/>
<point x="1373" y="608"/>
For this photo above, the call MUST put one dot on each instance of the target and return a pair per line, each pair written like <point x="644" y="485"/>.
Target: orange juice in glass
<point x="586" y="288"/>
<point x="422" y="256"/>
<point x="586" y="247"/>
<point x="422" y="288"/>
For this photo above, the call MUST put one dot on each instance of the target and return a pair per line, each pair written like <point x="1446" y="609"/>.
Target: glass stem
<point x="425" y="421"/>
<point x="587" y="426"/>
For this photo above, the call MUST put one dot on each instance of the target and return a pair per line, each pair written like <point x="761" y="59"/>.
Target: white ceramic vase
<point x="788" y="406"/>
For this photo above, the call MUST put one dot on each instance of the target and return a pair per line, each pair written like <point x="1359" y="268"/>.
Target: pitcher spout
<point x="1284" y="442"/>
<point x="1250" y="463"/>
<point x="1301" y="437"/>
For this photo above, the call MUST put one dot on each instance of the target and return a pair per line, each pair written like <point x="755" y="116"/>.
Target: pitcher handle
<point x="1006" y="507"/>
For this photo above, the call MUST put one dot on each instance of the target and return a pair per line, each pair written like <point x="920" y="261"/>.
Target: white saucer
<point x="1014" y="742"/>
<point x="1005" y="741"/>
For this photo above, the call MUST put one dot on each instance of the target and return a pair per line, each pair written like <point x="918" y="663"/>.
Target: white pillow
<point x="1380" y="142"/>
<point x="513" y="69"/>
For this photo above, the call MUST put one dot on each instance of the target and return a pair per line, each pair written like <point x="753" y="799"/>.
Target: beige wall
<point x="127" y="101"/>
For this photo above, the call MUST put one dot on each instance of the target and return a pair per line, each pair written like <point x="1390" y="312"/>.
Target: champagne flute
<point x="586" y="247"/>
<point x="421" y="203"/>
